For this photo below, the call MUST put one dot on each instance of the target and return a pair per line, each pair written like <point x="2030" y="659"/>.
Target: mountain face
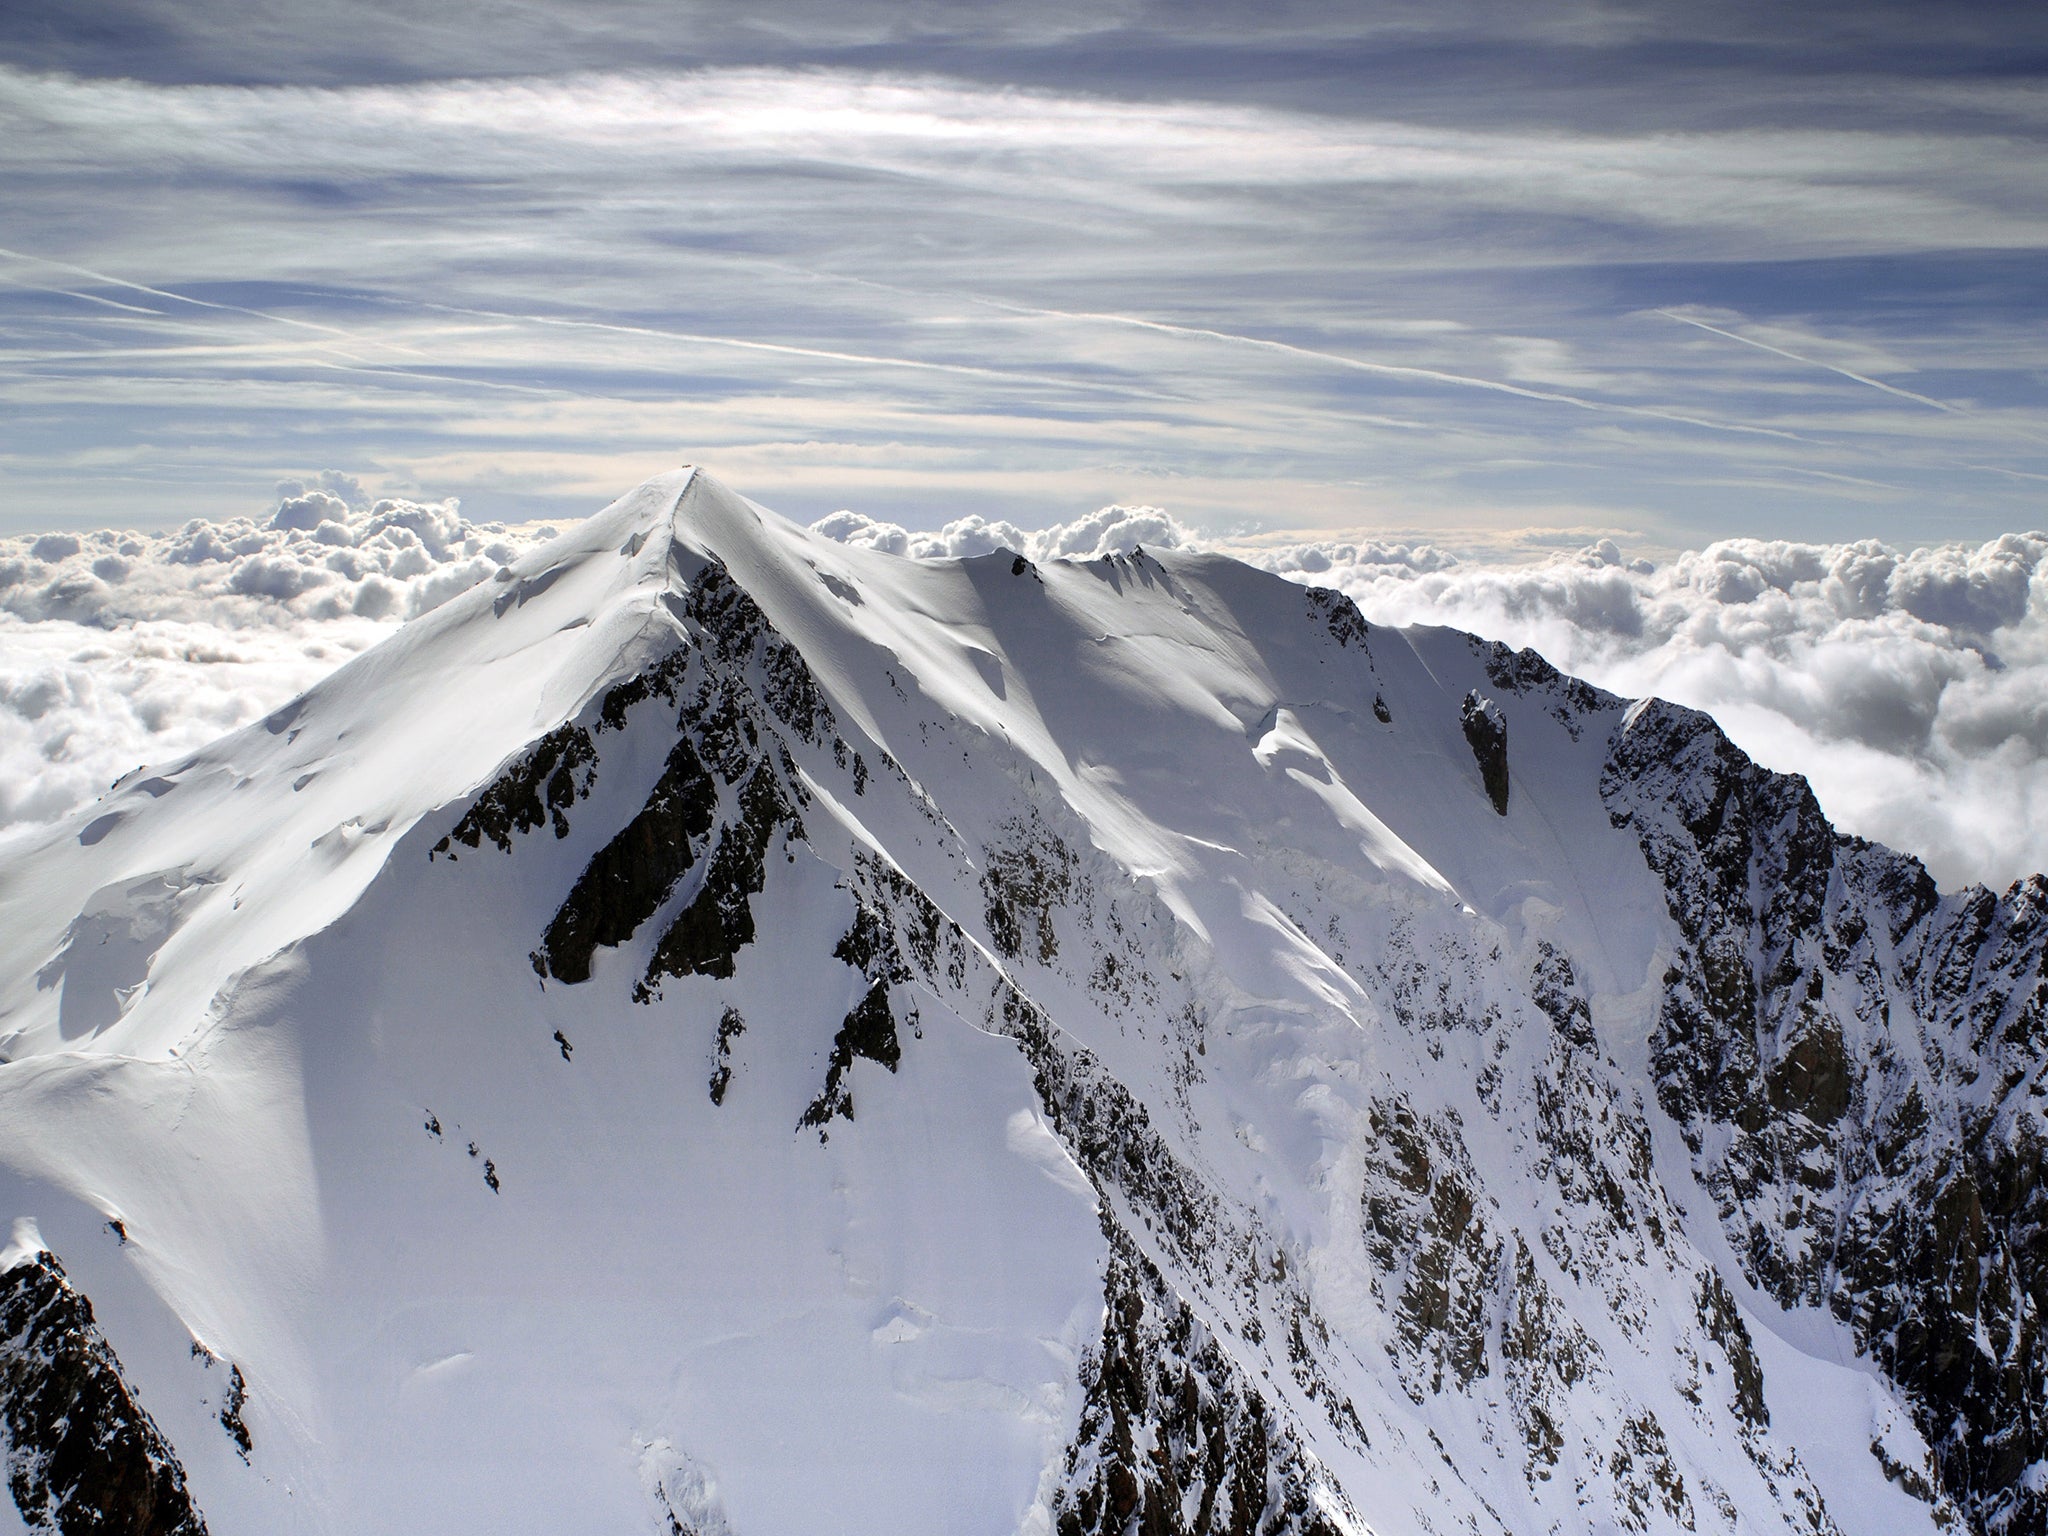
<point x="720" y="1033"/>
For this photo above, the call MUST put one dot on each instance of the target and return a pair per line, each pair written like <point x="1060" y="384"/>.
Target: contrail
<point x="84" y="298"/>
<point x="1825" y="474"/>
<point x="968" y="370"/>
<point x="784" y="349"/>
<point x="186" y="298"/>
<point x="1401" y="371"/>
<point x="1393" y="370"/>
<point x="164" y="293"/>
<point x="1891" y="389"/>
<point x="266" y="354"/>
<point x="380" y="370"/>
<point x="1814" y="362"/>
<point x="1338" y="359"/>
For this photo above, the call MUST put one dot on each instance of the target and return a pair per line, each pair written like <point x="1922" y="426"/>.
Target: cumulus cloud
<point x="1113" y="530"/>
<point x="317" y="555"/>
<point x="307" y="512"/>
<point x="119" y="648"/>
<point x="1909" y="686"/>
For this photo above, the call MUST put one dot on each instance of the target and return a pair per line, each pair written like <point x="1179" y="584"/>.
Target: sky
<point x="1533" y="273"/>
<point x="1703" y="346"/>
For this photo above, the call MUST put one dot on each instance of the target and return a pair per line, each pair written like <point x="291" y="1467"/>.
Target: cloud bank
<point x="1910" y="687"/>
<point x="122" y="648"/>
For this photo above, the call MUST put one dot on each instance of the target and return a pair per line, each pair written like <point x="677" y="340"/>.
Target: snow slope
<point x="720" y="1031"/>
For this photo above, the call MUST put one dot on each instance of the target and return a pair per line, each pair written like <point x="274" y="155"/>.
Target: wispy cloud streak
<point x="929" y="293"/>
<point x="163" y="293"/>
<point x="1812" y="362"/>
<point x="1400" y="371"/>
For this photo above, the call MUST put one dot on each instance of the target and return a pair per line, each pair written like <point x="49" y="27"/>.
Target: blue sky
<point x="1521" y="274"/>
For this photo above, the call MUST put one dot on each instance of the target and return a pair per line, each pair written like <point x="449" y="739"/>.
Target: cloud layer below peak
<point x="118" y="648"/>
<point x="1909" y="685"/>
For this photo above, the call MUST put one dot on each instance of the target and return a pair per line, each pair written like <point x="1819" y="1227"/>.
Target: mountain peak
<point x="712" y="1026"/>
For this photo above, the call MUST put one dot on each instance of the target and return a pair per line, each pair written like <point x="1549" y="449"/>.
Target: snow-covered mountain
<point x="721" y="1033"/>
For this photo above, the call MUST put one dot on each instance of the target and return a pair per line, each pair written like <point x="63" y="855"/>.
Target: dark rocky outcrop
<point x="632" y="875"/>
<point x="552" y="775"/>
<point x="708" y="934"/>
<point x="1028" y="876"/>
<point x="83" y="1457"/>
<point x="1567" y="700"/>
<point x="730" y="1027"/>
<point x="1338" y="614"/>
<point x="1425" y="1231"/>
<point x="1174" y="1440"/>
<point x="231" y="1419"/>
<point x="869" y="1032"/>
<point x="1486" y="731"/>
<point x="1554" y="988"/>
<point x="738" y="634"/>
<point x="740" y="691"/>
<point x="558" y="770"/>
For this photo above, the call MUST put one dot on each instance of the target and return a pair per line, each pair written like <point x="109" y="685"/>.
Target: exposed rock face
<point x="1028" y="874"/>
<point x="730" y="1027"/>
<point x="83" y="1458"/>
<point x="734" y="683"/>
<point x="870" y="1033"/>
<point x="552" y="776"/>
<point x="1173" y="1440"/>
<point x="1487" y="733"/>
<point x="1858" y="1065"/>
<point x="1340" y="616"/>
<point x="632" y="875"/>
<point x="706" y="935"/>
<point x="1572" y="703"/>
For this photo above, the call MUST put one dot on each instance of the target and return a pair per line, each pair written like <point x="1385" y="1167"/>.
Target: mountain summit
<point x="720" y="1033"/>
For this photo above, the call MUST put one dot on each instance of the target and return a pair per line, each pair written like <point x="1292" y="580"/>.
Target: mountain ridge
<point x="1326" y="1107"/>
